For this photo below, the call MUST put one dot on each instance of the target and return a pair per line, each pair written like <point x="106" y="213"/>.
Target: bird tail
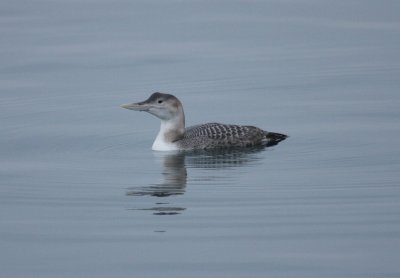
<point x="273" y="138"/>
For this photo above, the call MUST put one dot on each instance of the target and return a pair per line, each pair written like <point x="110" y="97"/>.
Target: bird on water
<point x="173" y="134"/>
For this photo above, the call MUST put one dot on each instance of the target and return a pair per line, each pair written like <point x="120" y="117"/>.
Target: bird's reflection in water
<point x="174" y="174"/>
<point x="217" y="159"/>
<point x="173" y="183"/>
<point x="173" y="177"/>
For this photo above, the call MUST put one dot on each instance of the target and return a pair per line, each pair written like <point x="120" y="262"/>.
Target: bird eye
<point x="160" y="101"/>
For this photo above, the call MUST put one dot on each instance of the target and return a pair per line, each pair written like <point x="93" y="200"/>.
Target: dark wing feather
<point x="213" y="135"/>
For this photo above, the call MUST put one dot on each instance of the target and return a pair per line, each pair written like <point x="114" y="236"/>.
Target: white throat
<point x="170" y="130"/>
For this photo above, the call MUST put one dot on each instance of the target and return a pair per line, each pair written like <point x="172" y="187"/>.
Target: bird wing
<point x="225" y="135"/>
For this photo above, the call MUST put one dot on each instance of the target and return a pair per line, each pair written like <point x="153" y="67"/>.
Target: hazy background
<point x="83" y="195"/>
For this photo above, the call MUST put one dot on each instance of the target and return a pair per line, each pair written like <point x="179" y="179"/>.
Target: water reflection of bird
<point x="174" y="173"/>
<point x="174" y="136"/>
<point x="223" y="158"/>
<point x="173" y="181"/>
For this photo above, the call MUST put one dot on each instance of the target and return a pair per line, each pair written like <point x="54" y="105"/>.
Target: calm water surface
<point x="83" y="195"/>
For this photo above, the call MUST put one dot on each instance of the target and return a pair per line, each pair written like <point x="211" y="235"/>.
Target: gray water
<point x="83" y="195"/>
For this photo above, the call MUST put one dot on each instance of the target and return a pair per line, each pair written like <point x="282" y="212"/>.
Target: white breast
<point x="160" y="144"/>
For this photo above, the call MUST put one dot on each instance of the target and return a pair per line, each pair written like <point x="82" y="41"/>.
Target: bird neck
<point x="170" y="132"/>
<point x="172" y="129"/>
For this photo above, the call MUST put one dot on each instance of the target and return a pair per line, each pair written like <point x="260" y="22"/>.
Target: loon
<point x="174" y="136"/>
